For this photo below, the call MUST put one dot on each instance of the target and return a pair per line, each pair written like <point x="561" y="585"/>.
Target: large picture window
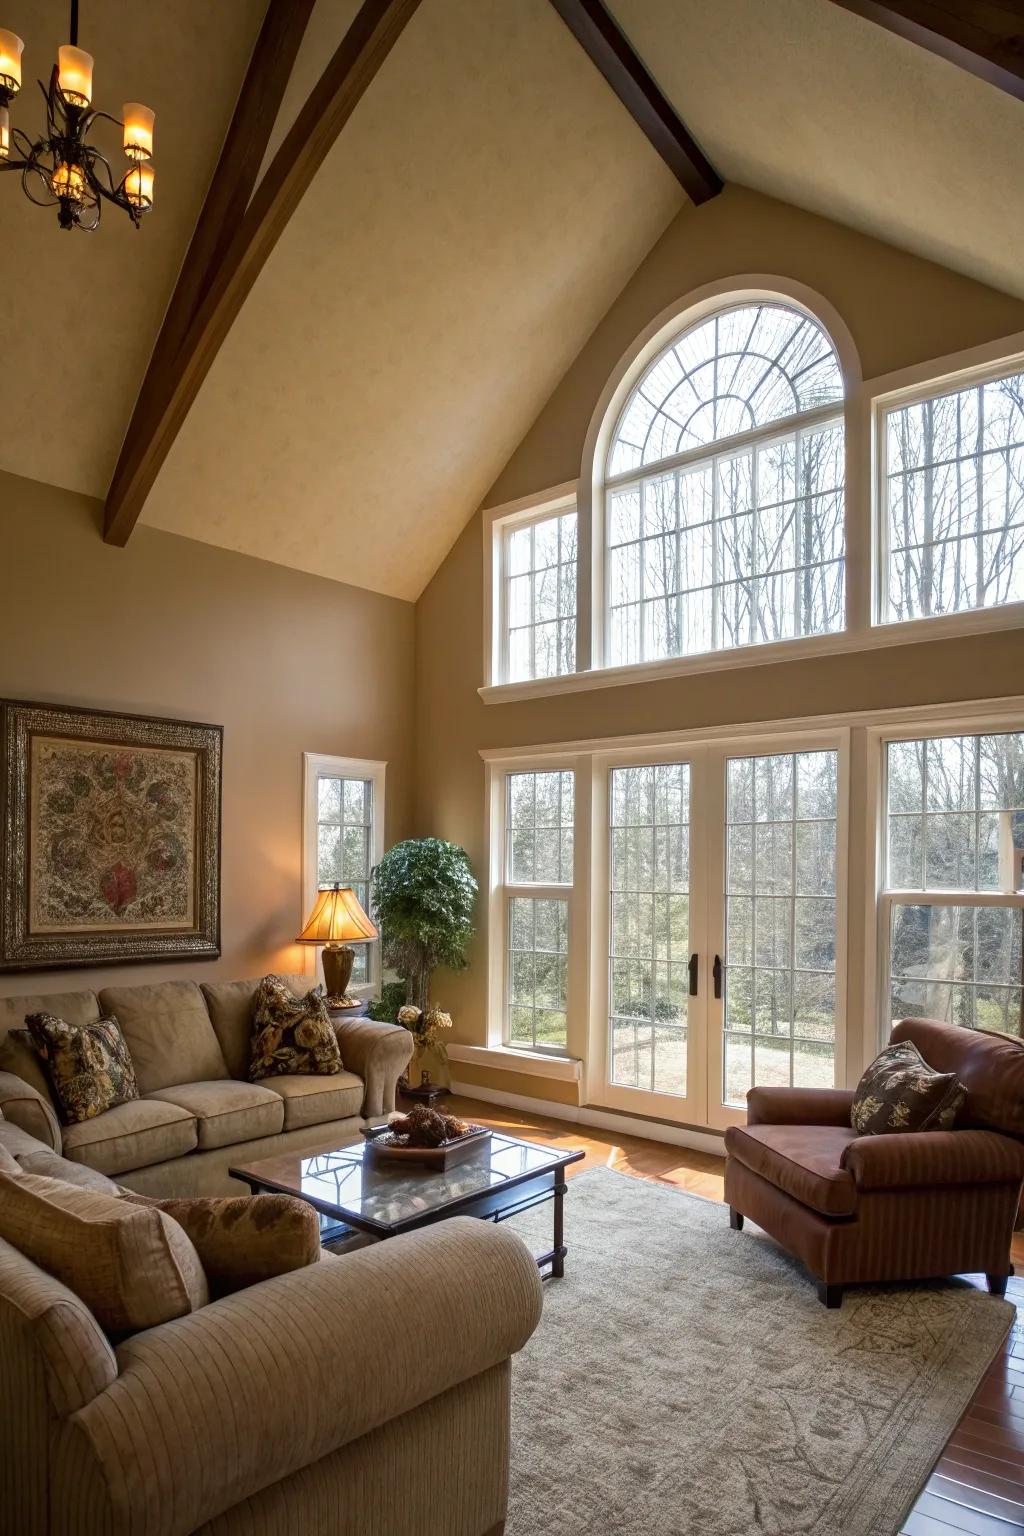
<point x="953" y="511"/>
<point x="953" y="898"/>
<point x="724" y="491"/>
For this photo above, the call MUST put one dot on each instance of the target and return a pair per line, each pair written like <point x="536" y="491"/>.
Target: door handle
<point x="716" y="974"/>
<point x="694" y="973"/>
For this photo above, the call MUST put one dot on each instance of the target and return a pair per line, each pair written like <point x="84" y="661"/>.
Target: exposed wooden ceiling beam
<point x="985" y="37"/>
<point x="610" y="50"/>
<point x="239" y="250"/>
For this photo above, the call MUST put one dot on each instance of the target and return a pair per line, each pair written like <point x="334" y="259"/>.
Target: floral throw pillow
<point x="89" y="1066"/>
<point x="291" y="1034"/>
<point x="901" y="1092"/>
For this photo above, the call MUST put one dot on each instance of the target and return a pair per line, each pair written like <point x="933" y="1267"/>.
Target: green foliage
<point x="423" y="896"/>
<point x="385" y="1008"/>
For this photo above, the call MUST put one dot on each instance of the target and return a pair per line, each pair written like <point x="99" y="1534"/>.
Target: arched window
<point x="724" y="497"/>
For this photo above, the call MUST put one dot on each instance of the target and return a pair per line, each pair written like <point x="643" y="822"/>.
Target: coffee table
<point x="352" y="1190"/>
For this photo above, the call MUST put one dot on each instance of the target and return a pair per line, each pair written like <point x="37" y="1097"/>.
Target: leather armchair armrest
<point x="25" y="1106"/>
<point x="211" y="1408"/>
<point x="379" y="1054"/>
<point x="925" y="1159"/>
<point x="799" y="1106"/>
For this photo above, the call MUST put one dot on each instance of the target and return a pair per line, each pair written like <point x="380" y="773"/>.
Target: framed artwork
<point x="110" y="837"/>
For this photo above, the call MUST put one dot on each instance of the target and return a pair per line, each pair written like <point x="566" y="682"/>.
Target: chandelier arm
<point x="51" y="201"/>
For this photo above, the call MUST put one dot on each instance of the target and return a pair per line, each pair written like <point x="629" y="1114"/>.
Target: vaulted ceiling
<point x="469" y="228"/>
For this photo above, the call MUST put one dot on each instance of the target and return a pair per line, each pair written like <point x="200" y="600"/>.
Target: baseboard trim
<point x="602" y="1119"/>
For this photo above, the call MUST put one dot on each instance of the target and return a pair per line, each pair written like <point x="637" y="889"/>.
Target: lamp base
<point x="338" y="961"/>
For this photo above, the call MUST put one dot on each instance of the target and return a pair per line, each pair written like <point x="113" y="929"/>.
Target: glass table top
<point x="357" y="1188"/>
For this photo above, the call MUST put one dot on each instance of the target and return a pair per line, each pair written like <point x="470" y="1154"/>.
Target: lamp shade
<point x="337" y="918"/>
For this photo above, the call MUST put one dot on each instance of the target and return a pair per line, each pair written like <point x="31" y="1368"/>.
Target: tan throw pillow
<point x="291" y="1034"/>
<point x="132" y="1267"/>
<point x="89" y="1065"/>
<point x="243" y="1239"/>
<point x="901" y="1092"/>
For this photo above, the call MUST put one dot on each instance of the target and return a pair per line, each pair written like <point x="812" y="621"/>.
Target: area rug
<point x="686" y="1381"/>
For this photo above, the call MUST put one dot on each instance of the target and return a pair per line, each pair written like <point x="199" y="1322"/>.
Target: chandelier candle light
<point x="337" y="921"/>
<point x="63" y="169"/>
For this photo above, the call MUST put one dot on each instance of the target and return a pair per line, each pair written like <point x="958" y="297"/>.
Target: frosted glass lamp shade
<point x="11" y="47"/>
<point x="138" y="186"/>
<point x="74" y="74"/>
<point x="138" y="130"/>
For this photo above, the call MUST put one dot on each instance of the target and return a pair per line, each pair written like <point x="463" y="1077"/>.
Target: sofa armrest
<point x="379" y="1054"/>
<point x="25" y="1106"/>
<point x="799" y="1106"/>
<point x="212" y="1407"/>
<point x="928" y="1159"/>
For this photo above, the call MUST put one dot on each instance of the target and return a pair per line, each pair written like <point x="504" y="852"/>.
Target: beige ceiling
<point x="79" y="313"/>
<point x="811" y="104"/>
<point x="485" y="204"/>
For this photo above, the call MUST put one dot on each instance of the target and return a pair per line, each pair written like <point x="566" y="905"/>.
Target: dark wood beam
<point x="985" y="37"/>
<point x="228" y="194"/>
<point x="611" y="51"/>
<point x="239" y="253"/>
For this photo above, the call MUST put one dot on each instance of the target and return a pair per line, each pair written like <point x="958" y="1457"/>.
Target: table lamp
<point x="337" y="921"/>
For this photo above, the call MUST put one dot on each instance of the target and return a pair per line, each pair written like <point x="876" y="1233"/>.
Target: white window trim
<point x="317" y="765"/>
<point x="498" y="522"/>
<point x="866" y="402"/>
<point x="911" y="726"/>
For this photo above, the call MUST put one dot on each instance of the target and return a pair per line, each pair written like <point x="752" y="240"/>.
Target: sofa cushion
<point x="226" y="1111"/>
<point x="243" y="1239"/>
<point x="315" y="1100"/>
<point x="88" y="1065"/>
<point x="52" y="1166"/>
<point x="15" y="1054"/>
<point x="169" y="1033"/>
<point x="291" y="1034"/>
<point x="132" y="1136"/>
<point x="230" y="1005"/>
<point x="802" y="1160"/>
<point x="132" y="1266"/>
<point x="901" y="1092"/>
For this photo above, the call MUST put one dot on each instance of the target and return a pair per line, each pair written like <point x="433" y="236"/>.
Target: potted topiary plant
<point x="423" y="896"/>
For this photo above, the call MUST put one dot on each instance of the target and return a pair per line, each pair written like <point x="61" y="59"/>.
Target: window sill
<point x="1008" y="616"/>
<point x="508" y="1059"/>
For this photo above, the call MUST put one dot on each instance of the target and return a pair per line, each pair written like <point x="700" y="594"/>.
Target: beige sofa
<point x="197" y="1113"/>
<point x="366" y="1395"/>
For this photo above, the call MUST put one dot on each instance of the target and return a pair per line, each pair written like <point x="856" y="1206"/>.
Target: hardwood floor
<point x="978" y="1482"/>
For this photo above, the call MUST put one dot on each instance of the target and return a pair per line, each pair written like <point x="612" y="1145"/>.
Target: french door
<point x="719" y="888"/>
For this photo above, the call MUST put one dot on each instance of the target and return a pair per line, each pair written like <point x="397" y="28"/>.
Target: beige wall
<point x="287" y="663"/>
<point x="901" y="311"/>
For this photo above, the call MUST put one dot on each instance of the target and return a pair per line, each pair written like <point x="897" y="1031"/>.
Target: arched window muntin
<point x="724" y="489"/>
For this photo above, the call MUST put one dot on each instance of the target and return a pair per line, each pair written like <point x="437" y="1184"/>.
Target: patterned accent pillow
<point x="243" y="1239"/>
<point x="89" y="1065"/>
<point x="901" y="1092"/>
<point x="291" y="1034"/>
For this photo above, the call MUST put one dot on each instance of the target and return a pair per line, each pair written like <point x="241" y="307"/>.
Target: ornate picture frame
<point x="110" y="830"/>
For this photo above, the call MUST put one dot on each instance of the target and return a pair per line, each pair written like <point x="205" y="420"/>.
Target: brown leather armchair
<point x="906" y="1206"/>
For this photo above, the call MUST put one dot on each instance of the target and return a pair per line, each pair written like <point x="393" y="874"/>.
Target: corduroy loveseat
<point x="901" y="1206"/>
<point x="197" y="1113"/>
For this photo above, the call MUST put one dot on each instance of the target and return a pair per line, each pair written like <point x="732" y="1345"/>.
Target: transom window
<point x="724" y="495"/>
<point x="953" y="515"/>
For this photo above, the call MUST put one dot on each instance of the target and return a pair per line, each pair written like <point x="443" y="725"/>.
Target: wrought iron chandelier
<point x="63" y="169"/>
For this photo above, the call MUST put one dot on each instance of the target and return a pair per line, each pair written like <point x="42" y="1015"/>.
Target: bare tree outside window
<point x="722" y="531"/>
<point x="954" y="501"/>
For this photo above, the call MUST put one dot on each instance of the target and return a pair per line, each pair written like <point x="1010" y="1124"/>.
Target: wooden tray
<point x="448" y="1155"/>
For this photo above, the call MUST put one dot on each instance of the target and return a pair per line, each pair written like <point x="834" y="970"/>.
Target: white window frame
<point x="500" y="892"/>
<point x="499" y="522"/>
<point x="316" y="766"/>
<point x="996" y="615"/>
<point x="866" y="401"/>
<point x="996" y="720"/>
